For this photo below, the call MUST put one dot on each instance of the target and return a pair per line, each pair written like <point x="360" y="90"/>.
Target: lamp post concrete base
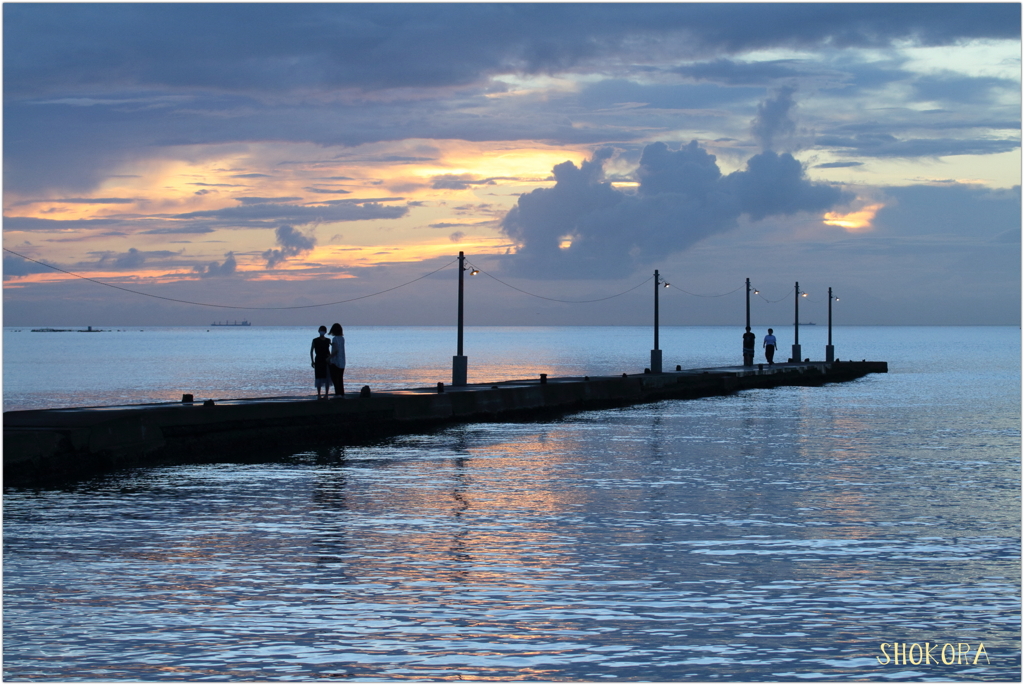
<point x="796" y="353"/>
<point x="830" y="353"/>
<point x="655" y="361"/>
<point x="460" y="369"/>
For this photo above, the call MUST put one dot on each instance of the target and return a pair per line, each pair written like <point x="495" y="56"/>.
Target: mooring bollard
<point x="543" y="379"/>
<point x="208" y="403"/>
<point x="186" y="398"/>
<point x="440" y="387"/>
<point x="364" y="391"/>
<point x="679" y="367"/>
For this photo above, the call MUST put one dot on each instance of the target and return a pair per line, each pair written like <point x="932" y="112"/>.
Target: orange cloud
<point x="854" y="222"/>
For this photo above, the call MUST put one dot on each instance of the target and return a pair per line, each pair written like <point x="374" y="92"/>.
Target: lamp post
<point x="796" y="323"/>
<point x="748" y="303"/>
<point x="460" y="364"/>
<point x="830" y="352"/>
<point x="656" y="353"/>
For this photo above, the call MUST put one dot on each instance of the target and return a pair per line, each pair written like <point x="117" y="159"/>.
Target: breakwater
<point x="58" y="444"/>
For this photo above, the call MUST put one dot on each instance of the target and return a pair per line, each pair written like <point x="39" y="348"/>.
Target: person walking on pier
<point x="319" y="356"/>
<point x="748" y="347"/>
<point x="770" y="346"/>
<point x="337" y="361"/>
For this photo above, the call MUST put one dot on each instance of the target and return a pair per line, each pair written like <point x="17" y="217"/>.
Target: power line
<point x="552" y="299"/>
<point x="672" y="287"/>
<point x="225" y="306"/>
<point x="778" y="300"/>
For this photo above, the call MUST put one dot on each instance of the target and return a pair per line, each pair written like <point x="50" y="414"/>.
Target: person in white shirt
<point x="769" y="347"/>
<point x="337" y="360"/>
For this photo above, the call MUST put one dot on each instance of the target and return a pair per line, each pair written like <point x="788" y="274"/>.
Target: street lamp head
<point x="666" y="285"/>
<point x="474" y="272"/>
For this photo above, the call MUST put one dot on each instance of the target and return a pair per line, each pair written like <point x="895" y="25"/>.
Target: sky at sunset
<point x="302" y="164"/>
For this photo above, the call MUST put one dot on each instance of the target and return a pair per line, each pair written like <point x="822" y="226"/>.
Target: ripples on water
<point x="772" y="535"/>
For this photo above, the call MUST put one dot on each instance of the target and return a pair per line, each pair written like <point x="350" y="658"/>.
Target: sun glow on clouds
<point x="150" y="205"/>
<point x="854" y="222"/>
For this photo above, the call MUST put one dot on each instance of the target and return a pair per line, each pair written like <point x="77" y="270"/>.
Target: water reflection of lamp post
<point x="830" y="352"/>
<point x="656" y="352"/>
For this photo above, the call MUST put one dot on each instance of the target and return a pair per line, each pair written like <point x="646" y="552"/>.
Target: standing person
<point x="769" y="347"/>
<point x="748" y="347"/>
<point x="338" y="359"/>
<point x="319" y="356"/>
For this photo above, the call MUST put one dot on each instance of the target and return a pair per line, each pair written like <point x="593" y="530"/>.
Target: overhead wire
<point x="774" y="301"/>
<point x="225" y="306"/>
<point x="381" y="292"/>
<point x="673" y="287"/>
<point x="553" y="299"/>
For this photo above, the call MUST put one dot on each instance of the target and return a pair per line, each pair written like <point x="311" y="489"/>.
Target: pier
<point x="52" y="445"/>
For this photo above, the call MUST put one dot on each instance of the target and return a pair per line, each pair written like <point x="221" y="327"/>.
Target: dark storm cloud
<point x="86" y="85"/>
<point x="681" y="199"/>
<point x="370" y="46"/>
<point x="292" y="242"/>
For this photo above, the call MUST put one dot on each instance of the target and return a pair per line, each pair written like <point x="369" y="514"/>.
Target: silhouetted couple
<point x="327" y="356"/>
<point x="770" y="345"/>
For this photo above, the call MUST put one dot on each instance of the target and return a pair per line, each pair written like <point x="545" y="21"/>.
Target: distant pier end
<point x="51" y="445"/>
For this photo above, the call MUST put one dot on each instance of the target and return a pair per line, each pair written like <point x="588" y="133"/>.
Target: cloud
<point x="773" y="118"/>
<point x="380" y="45"/>
<point x="258" y="214"/>
<point x="178" y="230"/>
<point x="16" y="267"/>
<point x="887" y="145"/>
<point x="735" y="73"/>
<point x="292" y="242"/>
<point x="229" y="267"/>
<point x="133" y="258"/>
<point x="265" y="200"/>
<point x="464" y="181"/>
<point x="88" y="85"/>
<point x="585" y="228"/>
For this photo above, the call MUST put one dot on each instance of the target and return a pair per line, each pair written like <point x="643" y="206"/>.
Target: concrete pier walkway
<point x="50" y="445"/>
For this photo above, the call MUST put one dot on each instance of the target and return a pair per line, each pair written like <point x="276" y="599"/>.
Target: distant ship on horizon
<point x="231" y="323"/>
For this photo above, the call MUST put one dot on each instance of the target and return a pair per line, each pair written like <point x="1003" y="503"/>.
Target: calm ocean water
<point x="780" y="534"/>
